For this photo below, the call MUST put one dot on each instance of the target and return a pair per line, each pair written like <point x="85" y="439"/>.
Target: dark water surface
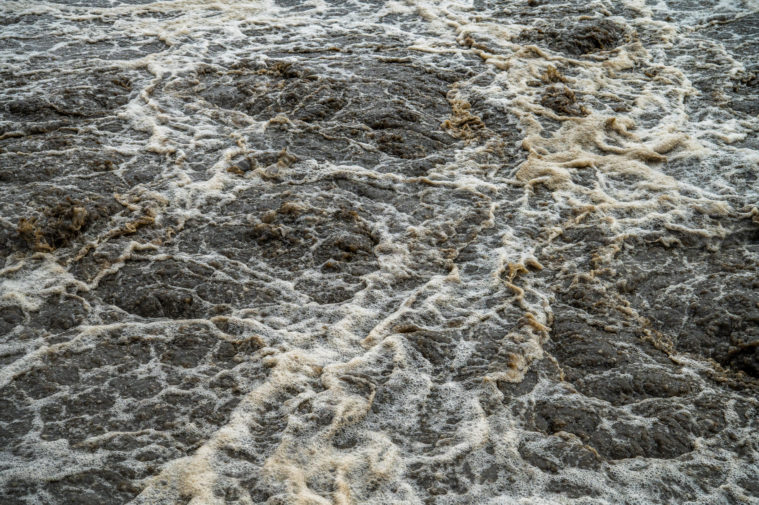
<point x="365" y="252"/>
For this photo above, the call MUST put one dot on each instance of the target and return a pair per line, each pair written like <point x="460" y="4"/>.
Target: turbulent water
<point x="379" y="252"/>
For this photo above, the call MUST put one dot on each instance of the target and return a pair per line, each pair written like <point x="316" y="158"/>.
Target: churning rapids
<point x="379" y="252"/>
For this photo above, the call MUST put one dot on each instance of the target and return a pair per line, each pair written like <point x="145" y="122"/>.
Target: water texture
<point x="379" y="252"/>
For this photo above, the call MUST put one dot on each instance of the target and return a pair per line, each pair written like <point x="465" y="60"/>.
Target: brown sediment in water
<point x="57" y="226"/>
<point x="377" y="254"/>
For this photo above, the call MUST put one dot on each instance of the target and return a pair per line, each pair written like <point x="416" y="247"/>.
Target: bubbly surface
<point x="334" y="252"/>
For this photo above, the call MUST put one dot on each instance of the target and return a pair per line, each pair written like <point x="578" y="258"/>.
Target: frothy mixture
<point x="342" y="252"/>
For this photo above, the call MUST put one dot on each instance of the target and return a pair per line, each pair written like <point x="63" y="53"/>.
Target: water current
<point x="336" y="252"/>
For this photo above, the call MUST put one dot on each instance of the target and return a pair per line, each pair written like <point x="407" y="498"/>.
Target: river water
<point x="364" y="252"/>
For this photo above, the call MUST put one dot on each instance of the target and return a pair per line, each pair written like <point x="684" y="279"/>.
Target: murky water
<point x="379" y="252"/>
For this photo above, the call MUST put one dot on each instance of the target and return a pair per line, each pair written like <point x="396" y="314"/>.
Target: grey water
<point x="347" y="252"/>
